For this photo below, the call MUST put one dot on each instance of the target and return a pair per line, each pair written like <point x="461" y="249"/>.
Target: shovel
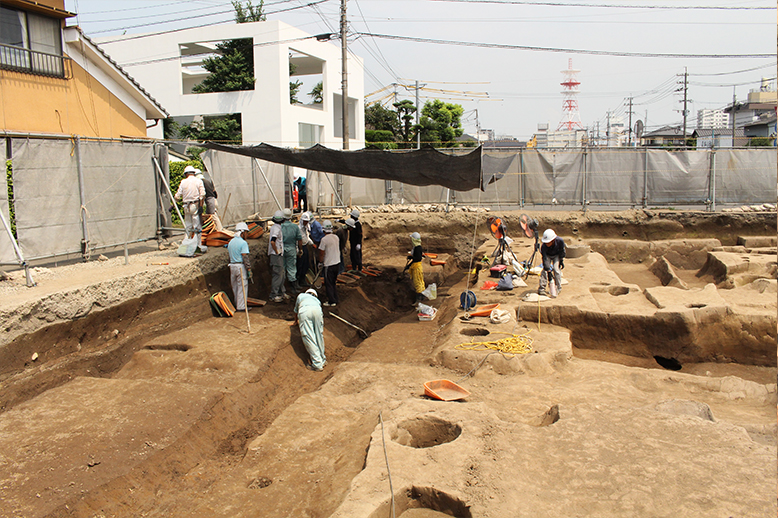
<point x="362" y="332"/>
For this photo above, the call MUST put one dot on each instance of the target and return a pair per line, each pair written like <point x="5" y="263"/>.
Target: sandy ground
<point x="140" y="403"/>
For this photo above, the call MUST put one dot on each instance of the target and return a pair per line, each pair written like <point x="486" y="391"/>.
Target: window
<point x="309" y="134"/>
<point x="30" y="43"/>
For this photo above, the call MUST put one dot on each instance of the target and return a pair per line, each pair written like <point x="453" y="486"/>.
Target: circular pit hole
<point x="474" y="331"/>
<point x="425" y="432"/>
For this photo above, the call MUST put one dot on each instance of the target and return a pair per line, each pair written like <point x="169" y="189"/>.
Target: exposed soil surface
<point x="122" y="395"/>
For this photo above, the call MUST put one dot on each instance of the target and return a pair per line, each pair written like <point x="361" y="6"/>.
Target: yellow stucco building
<point x="55" y="80"/>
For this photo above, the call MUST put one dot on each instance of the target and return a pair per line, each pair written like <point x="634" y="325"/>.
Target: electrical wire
<point x="612" y="6"/>
<point x="150" y="34"/>
<point x="565" y="50"/>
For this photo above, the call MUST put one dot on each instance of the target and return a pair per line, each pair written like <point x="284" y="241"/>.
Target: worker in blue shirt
<point x="240" y="266"/>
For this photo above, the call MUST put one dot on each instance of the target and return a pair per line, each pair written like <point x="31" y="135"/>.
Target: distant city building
<point x="716" y="137"/>
<point x="616" y="133"/>
<point x="665" y="136"/>
<point x="484" y="134"/>
<point x="709" y="119"/>
<point x="564" y="139"/>
<point x="760" y="102"/>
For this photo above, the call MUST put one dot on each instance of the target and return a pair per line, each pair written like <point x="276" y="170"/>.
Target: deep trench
<point x="101" y="343"/>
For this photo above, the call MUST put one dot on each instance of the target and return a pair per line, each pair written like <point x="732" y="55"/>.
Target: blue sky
<point x="502" y="60"/>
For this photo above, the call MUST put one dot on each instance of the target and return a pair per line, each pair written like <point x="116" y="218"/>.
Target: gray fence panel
<point x="364" y="191"/>
<point x="46" y="197"/>
<point x="615" y="177"/>
<point x="120" y="191"/>
<point x="538" y="177"/>
<point x="240" y="182"/>
<point x="745" y="176"/>
<point x="678" y="177"/>
<point x="504" y="191"/>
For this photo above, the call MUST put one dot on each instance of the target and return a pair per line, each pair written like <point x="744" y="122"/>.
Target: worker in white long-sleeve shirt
<point x="192" y="192"/>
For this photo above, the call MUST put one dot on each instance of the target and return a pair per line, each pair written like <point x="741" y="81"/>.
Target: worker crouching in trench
<point x="308" y="315"/>
<point x="414" y="267"/>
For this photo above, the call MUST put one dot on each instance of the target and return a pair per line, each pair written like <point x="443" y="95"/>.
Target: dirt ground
<point x="121" y="394"/>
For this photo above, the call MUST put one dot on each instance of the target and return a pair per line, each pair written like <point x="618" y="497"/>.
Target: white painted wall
<point x="266" y="113"/>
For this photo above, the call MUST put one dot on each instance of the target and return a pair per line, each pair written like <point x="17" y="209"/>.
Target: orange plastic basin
<point x="484" y="311"/>
<point x="444" y="390"/>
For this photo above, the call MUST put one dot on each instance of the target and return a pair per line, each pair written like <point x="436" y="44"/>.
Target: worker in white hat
<point x="329" y="257"/>
<point x="309" y="317"/>
<point x="192" y="192"/>
<point x="275" y="251"/>
<point x="355" y="241"/>
<point x="552" y="251"/>
<point x="240" y="266"/>
<point x="293" y="248"/>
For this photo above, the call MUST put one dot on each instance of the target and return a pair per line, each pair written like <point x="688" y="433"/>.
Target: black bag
<point x="506" y="282"/>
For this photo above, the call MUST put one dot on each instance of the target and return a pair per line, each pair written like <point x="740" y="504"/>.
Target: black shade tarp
<point x="421" y="167"/>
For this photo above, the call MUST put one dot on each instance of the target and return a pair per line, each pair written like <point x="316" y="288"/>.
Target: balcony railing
<point x="28" y="61"/>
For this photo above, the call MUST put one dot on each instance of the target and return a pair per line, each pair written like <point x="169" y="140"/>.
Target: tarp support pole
<point x="82" y="196"/>
<point x="18" y="251"/>
<point x="712" y="180"/>
<point x="267" y="182"/>
<point x="164" y="181"/>
<point x="334" y="190"/>
<point x="645" y="179"/>
<point x="521" y="179"/>
<point x="583" y="187"/>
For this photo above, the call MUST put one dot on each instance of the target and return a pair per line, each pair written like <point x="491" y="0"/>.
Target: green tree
<point x="441" y="123"/>
<point x="759" y="142"/>
<point x="249" y="13"/>
<point x="317" y="93"/>
<point x="380" y="118"/>
<point x="10" y="184"/>
<point x="294" y="86"/>
<point x="231" y="70"/>
<point x="379" y="139"/>
<point x="223" y="129"/>
<point x="405" y="114"/>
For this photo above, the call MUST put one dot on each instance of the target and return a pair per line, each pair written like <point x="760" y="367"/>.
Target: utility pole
<point x="629" y="128"/>
<point x="344" y="71"/>
<point x="608" y="131"/>
<point x="418" y="131"/>
<point x="732" y="116"/>
<point x="685" y="100"/>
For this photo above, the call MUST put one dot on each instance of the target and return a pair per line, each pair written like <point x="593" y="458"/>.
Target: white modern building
<point x="169" y="66"/>
<point x="712" y="119"/>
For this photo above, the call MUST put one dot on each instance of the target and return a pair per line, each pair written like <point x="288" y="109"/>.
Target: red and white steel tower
<point x="571" y="118"/>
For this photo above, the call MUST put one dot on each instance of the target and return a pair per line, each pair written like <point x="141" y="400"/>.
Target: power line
<point x="613" y="6"/>
<point x="769" y="65"/>
<point x="80" y="15"/>
<point x="193" y="26"/>
<point x="567" y="51"/>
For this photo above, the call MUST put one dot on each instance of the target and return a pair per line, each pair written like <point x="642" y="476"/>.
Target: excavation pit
<point x="205" y="405"/>
<point x="474" y="331"/>
<point x="423" y="502"/>
<point x="425" y="432"/>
